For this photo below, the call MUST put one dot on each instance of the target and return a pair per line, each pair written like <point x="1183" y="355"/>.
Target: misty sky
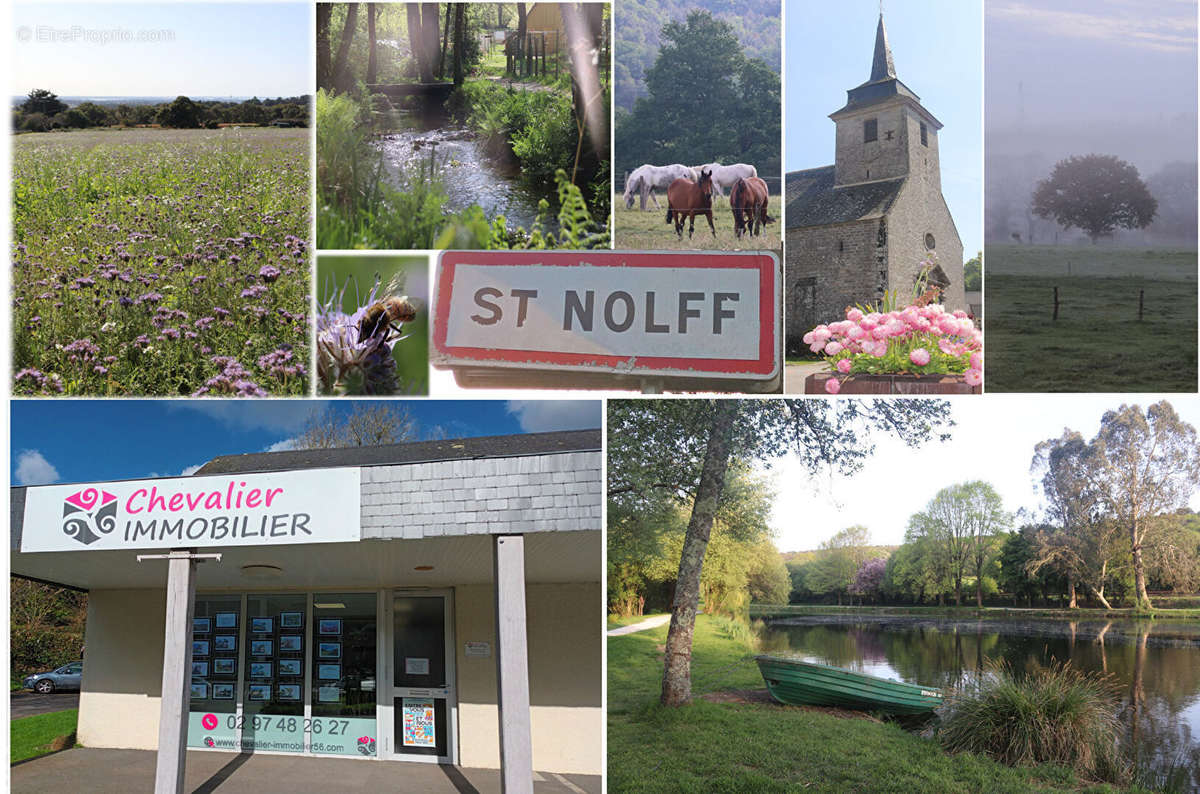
<point x="1083" y="61"/>
<point x="199" y="49"/>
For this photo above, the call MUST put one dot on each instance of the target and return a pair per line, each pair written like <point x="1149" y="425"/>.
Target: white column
<point x="177" y="669"/>
<point x="512" y="666"/>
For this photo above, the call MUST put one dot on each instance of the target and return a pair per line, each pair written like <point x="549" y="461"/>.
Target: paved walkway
<point x="794" y="375"/>
<point x="648" y="623"/>
<point x="132" y="771"/>
<point x="27" y="704"/>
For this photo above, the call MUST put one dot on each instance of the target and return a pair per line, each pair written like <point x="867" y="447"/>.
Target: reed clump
<point x="1047" y="715"/>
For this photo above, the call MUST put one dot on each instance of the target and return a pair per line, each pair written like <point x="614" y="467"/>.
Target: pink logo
<point x="209" y="721"/>
<point x="89" y="514"/>
<point x="366" y="745"/>
<point x="208" y="742"/>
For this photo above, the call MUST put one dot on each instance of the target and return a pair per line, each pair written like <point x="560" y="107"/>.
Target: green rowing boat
<point x="798" y="683"/>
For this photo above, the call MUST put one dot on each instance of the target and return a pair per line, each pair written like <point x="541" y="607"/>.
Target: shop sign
<point x="278" y="508"/>
<point x="708" y="315"/>
<point x="419" y="723"/>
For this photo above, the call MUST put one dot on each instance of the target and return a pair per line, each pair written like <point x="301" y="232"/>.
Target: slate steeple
<point x="882" y="67"/>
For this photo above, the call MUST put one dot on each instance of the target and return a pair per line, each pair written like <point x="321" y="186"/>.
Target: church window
<point x="887" y="136"/>
<point x="924" y="135"/>
<point x="841" y="245"/>
<point x="929" y="242"/>
<point x="870" y="130"/>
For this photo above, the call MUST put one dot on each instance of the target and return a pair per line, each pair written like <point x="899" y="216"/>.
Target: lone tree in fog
<point x="1095" y="193"/>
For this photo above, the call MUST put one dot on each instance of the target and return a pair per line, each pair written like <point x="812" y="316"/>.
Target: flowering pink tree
<point x="868" y="579"/>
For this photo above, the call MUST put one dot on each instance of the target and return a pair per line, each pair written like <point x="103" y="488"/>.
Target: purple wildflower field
<point x="155" y="262"/>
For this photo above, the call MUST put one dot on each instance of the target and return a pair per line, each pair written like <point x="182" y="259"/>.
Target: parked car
<point x="66" y="677"/>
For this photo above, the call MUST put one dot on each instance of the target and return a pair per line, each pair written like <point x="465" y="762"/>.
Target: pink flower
<point x="973" y="377"/>
<point x="920" y="356"/>
<point x="833" y="386"/>
<point x="817" y="347"/>
<point x="808" y="338"/>
<point x="844" y="365"/>
<point x="854" y="315"/>
<point x="977" y="361"/>
<point x="833" y="348"/>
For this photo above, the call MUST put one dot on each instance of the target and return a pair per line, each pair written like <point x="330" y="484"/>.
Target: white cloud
<point x="34" y="469"/>
<point x="281" y="446"/>
<point x="285" y="416"/>
<point x="188" y="471"/>
<point x="541" y="415"/>
<point x="1115" y="22"/>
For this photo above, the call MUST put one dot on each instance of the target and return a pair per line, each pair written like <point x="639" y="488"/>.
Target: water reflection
<point x="1156" y="665"/>
<point x="469" y="176"/>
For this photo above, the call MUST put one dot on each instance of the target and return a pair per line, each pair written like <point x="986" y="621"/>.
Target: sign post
<point x="611" y="319"/>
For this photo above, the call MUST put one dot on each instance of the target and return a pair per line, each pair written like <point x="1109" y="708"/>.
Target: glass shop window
<point x="344" y="682"/>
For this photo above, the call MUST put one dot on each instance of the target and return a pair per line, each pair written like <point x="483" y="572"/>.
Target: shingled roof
<point x="812" y="199"/>
<point x="413" y="452"/>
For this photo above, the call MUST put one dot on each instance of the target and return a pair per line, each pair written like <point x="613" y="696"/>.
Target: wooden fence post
<point x="1056" y="303"/>
<point x="1141" y="303"/>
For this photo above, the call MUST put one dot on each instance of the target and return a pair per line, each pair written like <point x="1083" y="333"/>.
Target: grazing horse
<point x="748" y="201"/>
<point x="687" y="199"/>
<point x="645" y="178"/>
<point x="725" y="175"/>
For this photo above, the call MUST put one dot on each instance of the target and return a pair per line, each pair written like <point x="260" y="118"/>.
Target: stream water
<point x="468" y="174"/>
<point x="1155" y="665"/>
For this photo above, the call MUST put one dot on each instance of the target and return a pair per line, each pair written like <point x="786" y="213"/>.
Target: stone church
<point x="863" y="225"/>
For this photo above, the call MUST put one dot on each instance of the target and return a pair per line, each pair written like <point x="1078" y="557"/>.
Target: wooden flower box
<point x="892" y="384"/>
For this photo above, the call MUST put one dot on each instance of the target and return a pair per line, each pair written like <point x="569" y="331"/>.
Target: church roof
<point x="812" y="199"/>
<point x="883" y="84"/>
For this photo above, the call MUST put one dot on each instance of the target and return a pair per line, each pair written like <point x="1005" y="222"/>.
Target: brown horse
<point x="687" y="199"/>
<point x="748" y="200"/>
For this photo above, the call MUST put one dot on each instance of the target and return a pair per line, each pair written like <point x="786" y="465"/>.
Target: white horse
<point x="645" y="178"/>
<point x="724" y="176"/>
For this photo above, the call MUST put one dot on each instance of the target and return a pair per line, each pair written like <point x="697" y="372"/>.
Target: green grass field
<point x="649" y="230"/>
<point x="1097" y="344"/>
<point x="748" y="747"/>
<point x="30" y="737"/>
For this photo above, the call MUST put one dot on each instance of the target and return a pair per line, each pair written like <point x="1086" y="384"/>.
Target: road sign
<point x="710" y="315"/>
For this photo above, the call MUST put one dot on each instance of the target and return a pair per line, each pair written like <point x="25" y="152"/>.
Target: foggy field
<point x="1097" y="344"/>
<point x="1086" y="260"/>
<point x="649" y="230"/>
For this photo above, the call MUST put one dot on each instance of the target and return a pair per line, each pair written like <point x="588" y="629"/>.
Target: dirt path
<point x="508" y="82"/>
<point x="648" y="623"/>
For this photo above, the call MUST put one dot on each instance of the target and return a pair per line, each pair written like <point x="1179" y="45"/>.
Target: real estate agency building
<point x="432" y="601"/>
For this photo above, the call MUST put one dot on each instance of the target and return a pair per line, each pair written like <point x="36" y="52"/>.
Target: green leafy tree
<point x="1096" y="193"/>
<point x="42" y="101"/>
<point x="183" y="113"/>
<point x="973" y="273"/>
<point x="687" y="446"/>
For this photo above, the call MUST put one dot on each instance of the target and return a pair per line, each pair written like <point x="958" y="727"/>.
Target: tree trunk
<point x="341" y="67"/>
<point x="677" y="672"/>
<point x="416" y="42"/>
<point x="459" y="22"/>
<point x="1139" y="570"/>
<point x="979" y="584"/>
<point x="1071" y="594"/>
<point x="957" y="591"/>
<point x="372" y="60"/>
<point x="1099" y="594"/>
<point x="445" y="45"/>
<point x="324" y="67"/>
<point x="429" y="35"/>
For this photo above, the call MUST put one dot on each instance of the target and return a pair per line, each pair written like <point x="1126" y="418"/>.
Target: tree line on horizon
<point x="43" y="111"/>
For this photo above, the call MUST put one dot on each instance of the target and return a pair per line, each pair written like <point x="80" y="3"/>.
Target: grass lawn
<point x="730" y="747"/>
<point x="649" y="230"/>
<point x="1158" y="613"/>
<point x="33" y="736"/>
<point x="1097" y="343"/>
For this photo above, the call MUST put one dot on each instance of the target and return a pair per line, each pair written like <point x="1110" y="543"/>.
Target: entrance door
<point x="425" y="706"/>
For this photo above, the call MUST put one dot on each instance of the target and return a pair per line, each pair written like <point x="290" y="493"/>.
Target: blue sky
<point x="98" y="440"/>
<point x="937" y="48"/>
<point x="209" y="49"/>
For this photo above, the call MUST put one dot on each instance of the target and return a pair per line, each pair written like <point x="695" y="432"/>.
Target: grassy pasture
<point x="161" y="262"/>
<point x="649" y="230"/>
<point x="1097" y="344"/>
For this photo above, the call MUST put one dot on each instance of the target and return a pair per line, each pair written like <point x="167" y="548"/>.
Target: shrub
<point x="1053" y="715"/>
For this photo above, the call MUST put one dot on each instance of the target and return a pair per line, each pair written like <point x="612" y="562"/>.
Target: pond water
<point x="469" y="175"/>
<point x="1156" y="665"/>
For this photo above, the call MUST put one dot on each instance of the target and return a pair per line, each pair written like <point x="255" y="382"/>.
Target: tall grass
<point x="1055" y="715"/>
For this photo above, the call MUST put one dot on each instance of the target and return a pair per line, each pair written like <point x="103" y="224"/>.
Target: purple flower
<point x="253" y="292"/>
<point x="150" y="297"/>
<point x="268" y="273"/>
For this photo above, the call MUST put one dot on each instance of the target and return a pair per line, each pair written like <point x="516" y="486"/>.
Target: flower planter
<point x="892" y="384"/>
